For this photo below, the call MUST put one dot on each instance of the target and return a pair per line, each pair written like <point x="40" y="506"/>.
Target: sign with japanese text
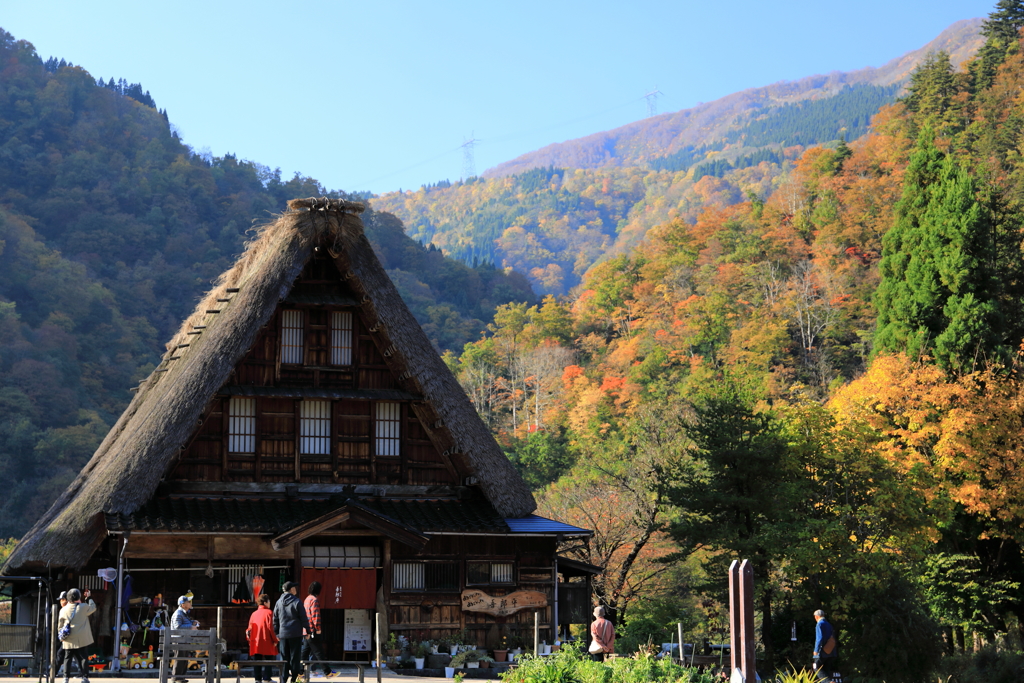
<point x="502" y="605"/>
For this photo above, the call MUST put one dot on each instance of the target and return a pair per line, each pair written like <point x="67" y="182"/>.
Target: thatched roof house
<point x="148" y="440"/>
<point x="301" y="427"/>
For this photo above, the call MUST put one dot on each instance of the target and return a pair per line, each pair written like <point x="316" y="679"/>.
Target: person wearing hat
<point x="181" y="620"/>
<point x="289" y="622"/>
<point x="76" y="613"/>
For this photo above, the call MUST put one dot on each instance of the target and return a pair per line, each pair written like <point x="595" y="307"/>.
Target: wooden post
<point x="741" y="621"/>
<point x="536" y="633"/>
<point x="220" y="630"/>
<point x="380" y="662"/>
<point x="54" y="643"/>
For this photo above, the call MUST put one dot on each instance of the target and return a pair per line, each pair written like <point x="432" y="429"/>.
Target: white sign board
<point x="358" y="634"/>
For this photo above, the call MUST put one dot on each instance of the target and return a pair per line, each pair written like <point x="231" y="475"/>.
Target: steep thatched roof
<point x="144" y="443"/>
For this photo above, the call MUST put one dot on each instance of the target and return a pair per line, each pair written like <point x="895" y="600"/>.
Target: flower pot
<point x="449" y="672"/>
<point x="472" y="665"/>
<point x="455" y="650"/>
<point x="500" y="655"/>
<point x="433" y="649"/>
<point x="545" y="649"/>
<point x="484" y="665"/>
<point x="419" y="661"/>
<point x="394" y="653"/>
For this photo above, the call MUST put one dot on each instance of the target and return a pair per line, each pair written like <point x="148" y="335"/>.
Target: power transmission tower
<point x="468" y="162"/>
<point x="652" y="101"/>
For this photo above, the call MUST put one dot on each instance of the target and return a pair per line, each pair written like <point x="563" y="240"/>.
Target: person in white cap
<point x="181" y="620"/>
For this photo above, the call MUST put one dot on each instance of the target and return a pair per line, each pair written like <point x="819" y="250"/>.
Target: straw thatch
<point x="143" y="445"/>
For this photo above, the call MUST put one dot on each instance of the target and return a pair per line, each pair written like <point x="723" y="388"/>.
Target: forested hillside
<point x="825" y="380"/>
<point x="110" y="229"/>
<point x="605" y="191"/>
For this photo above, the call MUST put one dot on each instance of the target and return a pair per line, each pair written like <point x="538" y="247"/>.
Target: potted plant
<point x="452" y="643"/>
<point x="485" y="660"/>
<point x="469" y="659"/>
<point x="501" y="652"/>
<point x="392" y="647"/>
<point x="419" y="654"/>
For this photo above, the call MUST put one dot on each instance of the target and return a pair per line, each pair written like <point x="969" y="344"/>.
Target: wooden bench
<point x="332" y="663"/>
<point x="192" y="645"/>
<point x="279" y="663"/>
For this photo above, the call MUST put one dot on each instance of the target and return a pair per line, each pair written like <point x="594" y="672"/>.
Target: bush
<point x="573" y="665"/>
<point x="986" y="666"/>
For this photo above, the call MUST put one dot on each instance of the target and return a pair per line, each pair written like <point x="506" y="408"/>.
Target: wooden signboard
<point x="502" y="605"/>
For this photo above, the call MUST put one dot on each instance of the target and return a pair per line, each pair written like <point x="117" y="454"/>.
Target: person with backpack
<point x="73" y="625"/>
<point x="825" y="647"/>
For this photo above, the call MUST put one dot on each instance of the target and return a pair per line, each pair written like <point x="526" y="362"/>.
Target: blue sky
<point x="380" y="95"/>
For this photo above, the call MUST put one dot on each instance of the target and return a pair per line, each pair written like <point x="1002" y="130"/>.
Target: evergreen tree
<point x="1001" y="31"/>
<point x="937" y="292"/>
<point x="931" y="92"/>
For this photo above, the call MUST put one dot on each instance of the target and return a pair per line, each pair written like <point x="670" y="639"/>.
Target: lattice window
<point x="489" y="573"/>
<point x="425" y="576"/>
<point x="291" y="337"/>
<point x="388" y="428"/>
<point x="315" y="427"/>
<point x="241" y="425"/>
<point x="323" y="556"/>
<point x="341" y="338"/>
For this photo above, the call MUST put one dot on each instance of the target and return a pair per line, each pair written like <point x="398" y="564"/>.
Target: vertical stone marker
<point x="741" y="622"/>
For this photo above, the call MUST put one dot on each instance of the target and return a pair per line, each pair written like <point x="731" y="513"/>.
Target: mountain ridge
<point x="671" y="132"/>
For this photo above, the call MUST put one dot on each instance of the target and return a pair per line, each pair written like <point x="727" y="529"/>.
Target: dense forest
<point x="110" y="229"/>
<point x="825" y="379"/>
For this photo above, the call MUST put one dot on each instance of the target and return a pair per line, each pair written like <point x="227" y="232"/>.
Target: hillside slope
<point x="556" y="212"/>
<point x="637" y="143"/>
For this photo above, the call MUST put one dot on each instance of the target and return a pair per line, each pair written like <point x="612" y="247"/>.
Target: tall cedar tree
<point x="740" y="499"/>
<point x="938" y="293"/>
<point x="1001" y="31"/>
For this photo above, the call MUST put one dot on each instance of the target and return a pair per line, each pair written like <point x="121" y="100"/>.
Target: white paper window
<point x="388" y="428"/>
<point x="408" y="576"/>
<point x="242" y="425"/>
<point x="291" y="336"/>
<point x="315" y="427"/>
<point x="501" y="572"/>
<point x="341" y="338"/>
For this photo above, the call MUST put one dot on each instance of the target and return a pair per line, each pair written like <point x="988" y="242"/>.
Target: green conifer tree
<point x="937" y="294"/>
<point x="1001" y="31"/>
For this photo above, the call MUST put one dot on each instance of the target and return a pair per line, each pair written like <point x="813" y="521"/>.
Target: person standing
<point x="262" y="639"/>
<point x="76" y="613"/>
<point x="59" y="661"/>
<point x="289" y="623"/>
<point x="825" y="649"/>
<point x="181" y="620"/>
<point x="311" y="646"/>
<point x="603" y="633"/>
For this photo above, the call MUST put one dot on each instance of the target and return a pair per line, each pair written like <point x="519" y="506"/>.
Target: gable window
<point x="490" y="573"/>
<point x="291" y="336"/>
<point x="425" y="576"/>
<point x="241" y="425"/>
<point x="315" y="427"/>
<point x="388" y="428"/>
<point x="341" y="338"/>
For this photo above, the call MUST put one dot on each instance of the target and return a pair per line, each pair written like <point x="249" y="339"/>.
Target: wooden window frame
<point x="304" y="321"/>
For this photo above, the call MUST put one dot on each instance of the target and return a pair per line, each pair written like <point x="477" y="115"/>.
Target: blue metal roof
<point x="535" y="524"/>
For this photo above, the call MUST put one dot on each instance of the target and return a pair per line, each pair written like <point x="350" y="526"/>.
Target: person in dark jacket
<point x="825" y="648"/>
<point x="289" y="622"/>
